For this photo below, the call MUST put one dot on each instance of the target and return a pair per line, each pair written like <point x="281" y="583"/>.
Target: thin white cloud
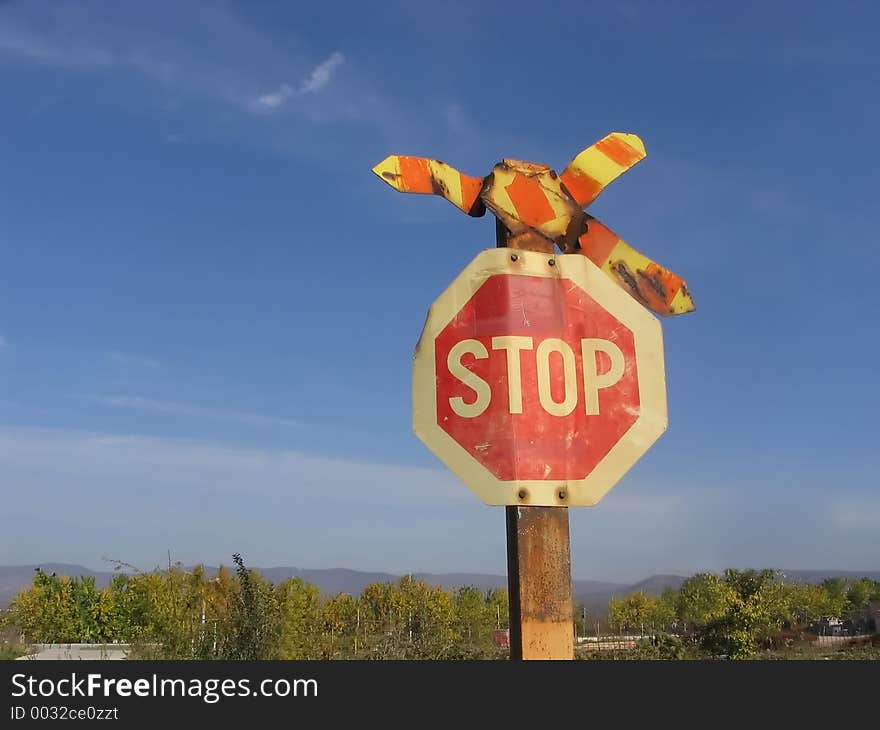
<point x="317" y="80"/>
<point x="120" y="358"/>
<point x="191" y="410"/>
<point x="322" y="73"/>
<point x="171" y="463"/>
<point x="20" y="42"/>
<point x="456" y="119"/>
<point x="139" y="495"/>
<point x="82" y="39"/>
<point x="4" y="343"/>
<point x="81" y="495"/>
<point x="855" y="516"/>
<point x="274" y="99"/>
<point x="173" y="138"/>
<point x="180" y="70"/>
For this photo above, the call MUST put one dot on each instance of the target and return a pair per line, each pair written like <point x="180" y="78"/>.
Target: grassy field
<point x="862" y="648"/>
<point x="7" y="653"/>
<point x="868" y="648"/>
<point x="10" y="646"/>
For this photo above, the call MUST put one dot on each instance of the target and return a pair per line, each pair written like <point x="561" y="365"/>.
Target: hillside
<point x="594" y="595"/>
<point x="331" y="581"/>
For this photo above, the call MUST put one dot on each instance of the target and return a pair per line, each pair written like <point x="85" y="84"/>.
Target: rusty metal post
<point x="538" y="561"/>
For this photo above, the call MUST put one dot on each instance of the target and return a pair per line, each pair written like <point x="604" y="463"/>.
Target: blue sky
<point x="208" y="303"/>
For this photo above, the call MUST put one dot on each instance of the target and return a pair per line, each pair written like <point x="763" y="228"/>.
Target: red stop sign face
<point x="537" y="380"/>
<point x="551" y="381"/>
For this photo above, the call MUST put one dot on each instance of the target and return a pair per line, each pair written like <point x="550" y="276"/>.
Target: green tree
<point x="472" y="622"/>
<point x="808" y="603"/>
<point x="256" y="618"/>
<point x="836" y="590"/>
<point x="425" y="619"/>
<point x="703" y="598"/>
<point x="665" y="615"/>
<point x="300" y="619"/>
<point x="634" y="612"/>
<point x="340" y="619"/>
<point x="498" y="604"/>
<point x="377" y="602"/>
<point x="858" y="594"/>
<point x="755" y="606"/>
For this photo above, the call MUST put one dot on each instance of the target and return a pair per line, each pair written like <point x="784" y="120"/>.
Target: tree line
<point x="741" y="611"/>
<point x="237" y="614"/>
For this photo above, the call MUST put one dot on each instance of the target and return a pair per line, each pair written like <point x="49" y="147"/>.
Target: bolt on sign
<point x="539" y="377"/>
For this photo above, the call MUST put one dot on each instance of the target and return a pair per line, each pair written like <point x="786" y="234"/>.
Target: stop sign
<point x="537" y="380"/>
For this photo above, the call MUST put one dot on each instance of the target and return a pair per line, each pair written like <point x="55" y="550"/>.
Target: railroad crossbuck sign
<point x="541" y="209"/>
<point x="537" y="380"/>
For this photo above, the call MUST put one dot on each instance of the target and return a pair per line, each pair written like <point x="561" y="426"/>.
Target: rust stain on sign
<point x="543" y="210"/>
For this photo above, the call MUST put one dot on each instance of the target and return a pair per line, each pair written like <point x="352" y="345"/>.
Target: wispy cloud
<point x="855" y="516"/>
<point x="190" y="410"/>
<point x="274" y="99"/>
<point x="169" y="461"/>
<point x="120" y="358"/>
<point x="140" y="494"/>
<point x="87" y="38"/>
<point x="65" y="52"/>
<point x="4" y="343"/>
<point x="322" y="73"/>
<point x="456" y="119"/>
<point x="318" y="79"/>
<point x="216" y="57"/>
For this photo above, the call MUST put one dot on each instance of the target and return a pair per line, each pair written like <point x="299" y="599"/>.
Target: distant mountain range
<point x="594" y="595"/>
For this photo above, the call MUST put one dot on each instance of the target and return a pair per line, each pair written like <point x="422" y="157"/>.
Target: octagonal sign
<point x="537" y="380"/>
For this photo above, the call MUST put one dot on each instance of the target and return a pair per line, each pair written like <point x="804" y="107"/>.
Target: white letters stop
<point x="513" y="345"/>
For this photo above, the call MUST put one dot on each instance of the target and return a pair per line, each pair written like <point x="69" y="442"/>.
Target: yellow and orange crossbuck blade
<point x="541" y="209"/>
